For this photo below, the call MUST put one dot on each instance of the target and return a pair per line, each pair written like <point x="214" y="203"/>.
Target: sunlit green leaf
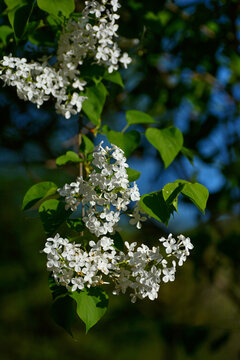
<point x="37" y="192"/>
<point x="92" y="304"/>
<point x="114" y="77"/>
<point x="167" y="141"/>
<point x="197" y="193"/>
<point x="128" y="142"/>
<point x="171" y="192"/>
<point x="69" y="157"/>
<point x="138" y="117"/>
<point x="87" y="146"/>
<point x="66" y="7"/>
<point x="133" y="175"/>
<point x="189" y="154"/>
<point x="93" y="105"/>
<point x="5" y="31"/>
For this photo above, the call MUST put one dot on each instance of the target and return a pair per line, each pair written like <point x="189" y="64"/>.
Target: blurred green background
<point x="186" y="72"/>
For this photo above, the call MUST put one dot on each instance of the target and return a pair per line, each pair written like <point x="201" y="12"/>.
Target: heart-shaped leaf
<point x="114" y="77"/>
<point x="69" y="157"/>
<point x="93" y="105"/>
<point x="128" y="142"/>
<point x="167" y="141"/>
<point x="155" y="206"/>
<point x="197" y="193"/>
<point x="37" y="192"/>
<point x="52" y="214"/>
<point x="171" y="192"/>
<point x="63" y="312"/>
<point x="92" y="304"/>
<point x="138" y="117"/>
<point x="133" y="175"/>
<point x="66" y="7"/>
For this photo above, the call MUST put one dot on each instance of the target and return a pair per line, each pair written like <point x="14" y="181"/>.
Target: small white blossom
<point x="139" y="269"/>
<point x="107" y="188"/>
<point x="92" y="36"/>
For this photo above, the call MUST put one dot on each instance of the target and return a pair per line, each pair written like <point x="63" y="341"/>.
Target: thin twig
<point x="81" y="167"/>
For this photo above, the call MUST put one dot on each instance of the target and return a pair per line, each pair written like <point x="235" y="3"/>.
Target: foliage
<point x="187" y="33"/>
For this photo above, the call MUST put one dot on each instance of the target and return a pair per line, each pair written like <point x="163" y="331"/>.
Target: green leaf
<point x="118" y="241"/>
<point x="76" y="224"/>
<point x="66" y="7"/>
<point x="114" y="77"/>
<point x="5" y="31"/>
<point x="197" y="193"/>
<point x="133" y="175"/>
<point x="91" y="305"/>
<point x="138" y="117"/>
<point x="52" y="214"/>
<point x="93" y="105"/>
<point x="189" y="154"/>
<point x="13" y="3"/>
<point x="155" y="206"/>
<point x="171" y="192"/>
<point x="69" y="157"/>
<point x="56" y="290"/>
<point x="21" y="19"/>
<point x="63" y="312"/>
<point x="37" y="192"/>
<point x="54" y="21"/>
<point x="42" y="36"/>
<point x="128" y="142"/>
<point x="87" y="146"/>
<point x="12" y="6"/>
<point x="168" y="142"/>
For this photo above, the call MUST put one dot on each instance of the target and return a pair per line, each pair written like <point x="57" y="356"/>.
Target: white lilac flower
<point x="139" y="269"/>
<point x="92" y="38"/>
<point x="138" y="216"/>
<point x="106" y="193"/>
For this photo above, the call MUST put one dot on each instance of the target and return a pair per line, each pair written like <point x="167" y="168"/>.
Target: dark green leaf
<point x="86" y="146"/>
<point x="133" y="175"/>
<point x="92" y="71"/>
<point x="93" y="105"/>
<point x="21" y="18"/>
<point x="155" y="206"/>
<point x="37" y="192"/>
<point x="76" y="224"/>
<point x="118" y="241"/>
<point x="52" y="214"/>
<point x="69" y="157"/>
<point x="168" y="142"/>
<point x="128" y="142"/>
<point x="138" y="117"/>
<point x="91" y="305"/>
<point x="66" y="7"/>
<point x="12" y="7"/>
<point x="114" y="77"/>
<point x="43" y="36"/>
<point x="63" y="312"/>
<point x="56" y="290"/>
